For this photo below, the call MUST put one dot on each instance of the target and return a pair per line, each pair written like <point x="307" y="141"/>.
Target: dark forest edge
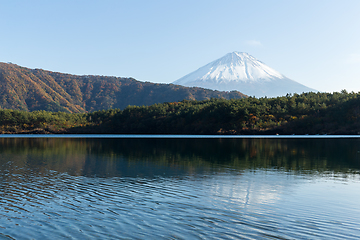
<point x="307" y="113"/>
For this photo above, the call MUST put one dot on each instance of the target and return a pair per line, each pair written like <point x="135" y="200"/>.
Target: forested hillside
<point x="308" y="113"/>
<point x="36" y="89"/>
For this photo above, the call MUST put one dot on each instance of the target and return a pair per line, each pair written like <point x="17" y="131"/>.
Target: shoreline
<point x="179" y="136"/>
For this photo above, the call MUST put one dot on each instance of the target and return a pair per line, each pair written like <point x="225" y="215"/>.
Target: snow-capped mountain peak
<point x="241" y="71"/>
<point x="235" y="66"/>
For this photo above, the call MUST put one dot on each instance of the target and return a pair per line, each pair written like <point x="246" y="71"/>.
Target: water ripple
<point x="224" y="206"/>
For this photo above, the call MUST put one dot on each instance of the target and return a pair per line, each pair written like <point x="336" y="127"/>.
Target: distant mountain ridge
<point x="36" y="89"/>
<point x="242" y="72"/>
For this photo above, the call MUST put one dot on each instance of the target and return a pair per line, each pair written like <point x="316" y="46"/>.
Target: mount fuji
<point x="242" y="72"/>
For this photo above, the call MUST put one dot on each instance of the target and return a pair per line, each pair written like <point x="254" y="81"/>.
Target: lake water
<point x="179" y="188"/>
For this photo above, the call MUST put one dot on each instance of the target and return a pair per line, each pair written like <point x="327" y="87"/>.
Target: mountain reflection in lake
<point x="179" y="188"/>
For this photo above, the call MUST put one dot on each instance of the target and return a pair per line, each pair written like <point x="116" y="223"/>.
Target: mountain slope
<point x="242" y="72"/>
<point x="36" y="89"/>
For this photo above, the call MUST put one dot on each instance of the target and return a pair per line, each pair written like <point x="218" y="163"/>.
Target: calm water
<point x="179" y="188"/>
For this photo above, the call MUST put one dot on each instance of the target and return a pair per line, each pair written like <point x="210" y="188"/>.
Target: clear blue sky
<point x="316" y="43"/>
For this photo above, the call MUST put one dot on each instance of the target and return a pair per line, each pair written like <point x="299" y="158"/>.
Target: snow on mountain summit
<point x="235" y="66"/>
<point x="242" y="72"/>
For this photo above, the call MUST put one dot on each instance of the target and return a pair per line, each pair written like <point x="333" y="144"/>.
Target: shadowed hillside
<point x="36" y="89"/>
<point x="308" y="113"/>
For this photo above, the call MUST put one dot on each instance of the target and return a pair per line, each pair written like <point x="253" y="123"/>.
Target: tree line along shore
<point x="307" y="113"/>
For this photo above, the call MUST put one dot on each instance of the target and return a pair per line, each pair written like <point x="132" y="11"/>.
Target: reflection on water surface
<point x="179" y="188"/>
